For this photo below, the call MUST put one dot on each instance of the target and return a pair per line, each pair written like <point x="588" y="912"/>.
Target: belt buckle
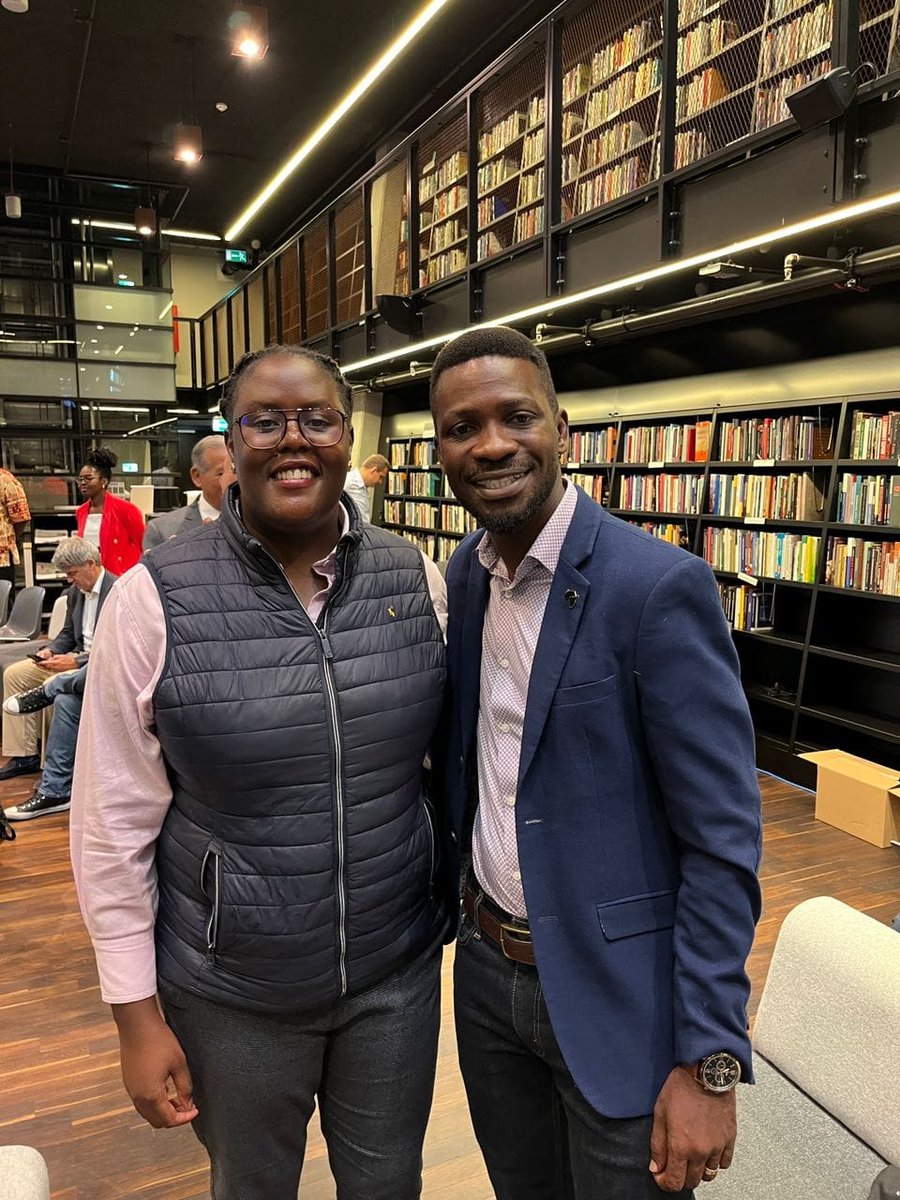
<point x="522" y="936"/>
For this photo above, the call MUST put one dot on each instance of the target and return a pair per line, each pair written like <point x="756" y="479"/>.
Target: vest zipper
<point x="212" y="924"/>
<point x="331" y="691"/>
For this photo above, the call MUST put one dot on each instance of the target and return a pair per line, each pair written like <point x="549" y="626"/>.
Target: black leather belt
<point x="511" y="935"/>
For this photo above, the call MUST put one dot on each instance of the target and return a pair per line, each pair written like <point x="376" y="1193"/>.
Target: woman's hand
<point x="154" y="1068"/>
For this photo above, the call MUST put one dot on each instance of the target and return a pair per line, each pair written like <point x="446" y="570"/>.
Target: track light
<point x="248" y="26"/>
<point x="188" y="144"/>
<point x="145" y="220"/>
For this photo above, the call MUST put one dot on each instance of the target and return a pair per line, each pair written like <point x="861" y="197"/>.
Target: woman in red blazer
<point x="113" y="524"/>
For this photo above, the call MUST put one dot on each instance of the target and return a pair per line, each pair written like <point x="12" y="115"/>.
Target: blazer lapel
<point x="566" y="604"/>
<point x="475" y="599"/>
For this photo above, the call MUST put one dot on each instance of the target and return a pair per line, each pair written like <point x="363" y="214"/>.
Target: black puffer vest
<point x="297" y="861"/>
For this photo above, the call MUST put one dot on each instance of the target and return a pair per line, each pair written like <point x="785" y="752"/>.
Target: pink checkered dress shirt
<point x="512" y="624"/>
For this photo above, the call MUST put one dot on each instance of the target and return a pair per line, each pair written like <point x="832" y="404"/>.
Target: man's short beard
<point x="509" y="522"/>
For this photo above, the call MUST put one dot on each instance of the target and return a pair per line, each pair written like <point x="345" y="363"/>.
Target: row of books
<point x="770" y="106"/>
<point x="576" y="82"/>
<point x="417" y="452"/>
<point x="745" y="607"/>
<point x="572" y="125"/>
<point x="492" y="174"/>
<point x="797" y="39"/>
<point x="621" y="53"/>
<point x="501" y="135"/>
<point x="676" y="442"/>
<point x="436" y="547"/>
<point x="666" y="532"/>
<point x="875" y="435"/>
<point x="529" y="223"/>
<point x="442" y="265"/>
<point x="869" y="500"/>
<point x="611" y="142"/>
<point x="491" y="243"/>
<point x="691" y="10"/>
<point x="625" y="89"/>
<point x="690" y="145"/>
<point x="593" y="445"/>
<point x="701" y="91"/>
<point x="418" y="483"/>
<point x="794" y="497"/>
<point x="610" y="185"/>
<point x="444" y="234"/>
<point x="863" y="566"/>
<point x="790" y="556"/>
<point x="660" y="493"/>
<point x="594" y="485"/>
<point x="450" y="518"/>
<point x="492" y="207"/>
<point x="445" y="205"/>
<point x="533" y="149"/>
<point x="449" y="172"/>
<point x="791" y="438"/>
<point x="531" y="187"/>
<point x="705" y="40"/>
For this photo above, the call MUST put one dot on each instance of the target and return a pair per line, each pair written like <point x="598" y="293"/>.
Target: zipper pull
<point x="326" y="646"/>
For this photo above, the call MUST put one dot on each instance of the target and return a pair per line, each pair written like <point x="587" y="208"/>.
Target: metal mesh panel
<point x="237" y="325"/>
<point x="512" y="157"/>
<point x="315" y="266"/>
<point x="350" y="258"/>
<point x="612" y="76"/>
<point x="736" y="64"/>
<point x="269" y="276"/>
<point x="289" y="289"/>
<point x="879" y="35"/>
<point x="223" y="366"/>
<point x="442" y="179"/>
<point x="389" y="231"/>
<point x="255" y="296"/>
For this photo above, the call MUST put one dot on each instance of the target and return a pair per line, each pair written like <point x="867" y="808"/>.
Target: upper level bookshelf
<point x="511" y="158"/>
<point x="737" y="60"/>
<point x="611" y="103"/>
<point x="443" y="190"/>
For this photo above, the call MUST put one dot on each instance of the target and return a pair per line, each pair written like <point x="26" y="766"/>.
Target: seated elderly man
<point x="34" y="683"/>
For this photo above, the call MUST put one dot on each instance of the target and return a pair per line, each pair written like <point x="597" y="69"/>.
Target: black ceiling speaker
<point x="398" y="312"/>
<point x="823" y="100"/>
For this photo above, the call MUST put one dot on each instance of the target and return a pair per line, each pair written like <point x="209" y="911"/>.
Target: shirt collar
<point x="95" y="590"/>
<point x="207" y="512"/>
<point x="546" y="547"/>
<point x="327" y="566"/>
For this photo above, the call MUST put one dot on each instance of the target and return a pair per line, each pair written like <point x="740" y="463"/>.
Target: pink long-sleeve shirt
<point x="121" y="791"/>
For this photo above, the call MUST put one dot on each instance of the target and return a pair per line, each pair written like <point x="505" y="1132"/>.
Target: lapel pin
<point x="571" y="597"/>
<point x="392" y="611"/>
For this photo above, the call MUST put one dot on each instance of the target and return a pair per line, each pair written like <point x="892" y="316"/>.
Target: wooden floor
<point x="61" y="1089"/>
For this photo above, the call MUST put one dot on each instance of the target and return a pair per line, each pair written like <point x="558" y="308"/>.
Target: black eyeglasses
<point x="263" y="430"/>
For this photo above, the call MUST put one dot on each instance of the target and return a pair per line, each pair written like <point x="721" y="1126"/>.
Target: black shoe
<point x="28" y="765"/>
<point x="31" y="701"/>
<point x="38" y="804"/>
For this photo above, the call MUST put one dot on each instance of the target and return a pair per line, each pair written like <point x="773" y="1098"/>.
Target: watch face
<point x="720" y="1072"/>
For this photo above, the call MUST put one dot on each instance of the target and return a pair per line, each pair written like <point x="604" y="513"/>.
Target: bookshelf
<point x="737" y="60"/>
<point x="611" y="91"/>
<point x="443" y="192"/>
<point x="418" y="502"/>
<point x="797" y="510"/>
<point x="879" y="34"/>
<point x="349" y="259"/>
<point x="511" y="158"/>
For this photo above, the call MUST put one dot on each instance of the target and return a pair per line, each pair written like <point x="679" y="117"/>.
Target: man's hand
<point x="693" y="1133"/>
<point x="154" y="1068"/>
<point x="56" y="663"/>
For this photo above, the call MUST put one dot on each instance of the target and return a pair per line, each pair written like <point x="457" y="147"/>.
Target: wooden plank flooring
<point x="61" y="1089"/>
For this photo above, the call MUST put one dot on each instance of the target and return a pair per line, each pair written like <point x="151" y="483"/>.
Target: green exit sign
<point x="240" y="257"/>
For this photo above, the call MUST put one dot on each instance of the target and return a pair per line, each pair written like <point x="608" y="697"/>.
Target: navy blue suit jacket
<point x="637" y="814"/>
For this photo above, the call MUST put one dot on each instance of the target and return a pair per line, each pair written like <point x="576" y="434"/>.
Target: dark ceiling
<point x="95" y="87"/>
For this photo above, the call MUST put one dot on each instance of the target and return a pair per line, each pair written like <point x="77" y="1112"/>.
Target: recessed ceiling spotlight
<point x="16" y="6"/>
<point x="249" y="29"/>
<point x="221" y="106"/>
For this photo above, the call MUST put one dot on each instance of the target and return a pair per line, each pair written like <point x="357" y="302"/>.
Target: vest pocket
<point x="211" y="887"/>
<point x="432" y="843"/>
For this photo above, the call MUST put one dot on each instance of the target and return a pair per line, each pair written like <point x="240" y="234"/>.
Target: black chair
<point x="25" y="619"/>
<point x="5" y="589"/>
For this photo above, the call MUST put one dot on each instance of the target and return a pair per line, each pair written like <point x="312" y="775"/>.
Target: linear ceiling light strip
<point x="355" y="94"/>
<point x="832" y="216"/>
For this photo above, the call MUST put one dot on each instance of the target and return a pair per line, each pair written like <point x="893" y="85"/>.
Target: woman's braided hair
<point x="250" y="360"/>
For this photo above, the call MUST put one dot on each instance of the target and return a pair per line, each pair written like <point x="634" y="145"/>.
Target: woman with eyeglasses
<point x="114" y="525"/>
<point x="252" y="841"/>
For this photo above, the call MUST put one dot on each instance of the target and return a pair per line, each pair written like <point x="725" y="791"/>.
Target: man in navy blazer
<point x="601" y="809"/>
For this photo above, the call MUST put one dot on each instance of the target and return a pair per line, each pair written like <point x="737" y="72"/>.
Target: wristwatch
<point x="718" y="1073"/>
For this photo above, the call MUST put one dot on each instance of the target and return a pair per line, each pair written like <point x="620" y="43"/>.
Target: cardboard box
<point x="857" y="796"/>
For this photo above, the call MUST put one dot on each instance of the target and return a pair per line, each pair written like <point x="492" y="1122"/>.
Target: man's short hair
<point x="376" y="462"/>
<point x="496" y="341"/>
<point x="199" y="449"/>
<point x="73" y="552"/>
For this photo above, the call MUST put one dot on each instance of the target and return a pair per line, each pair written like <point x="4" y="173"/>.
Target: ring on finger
<point x="709" y="1173"/>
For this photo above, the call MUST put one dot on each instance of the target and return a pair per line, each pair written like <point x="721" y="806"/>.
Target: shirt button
<point x="504" y="662"/>
<point x="509" y="801"/>
<point x="504" y="728"/>
<point x="517" y="876"/>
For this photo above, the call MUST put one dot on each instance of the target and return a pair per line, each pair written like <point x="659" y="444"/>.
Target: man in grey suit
<point x="54" y="668"/>
<point x="211" y="473"/>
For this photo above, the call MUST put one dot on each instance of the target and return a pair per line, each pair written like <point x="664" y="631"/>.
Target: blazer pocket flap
<point x="586" y="693"/>
<point x="643" y="914"/>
